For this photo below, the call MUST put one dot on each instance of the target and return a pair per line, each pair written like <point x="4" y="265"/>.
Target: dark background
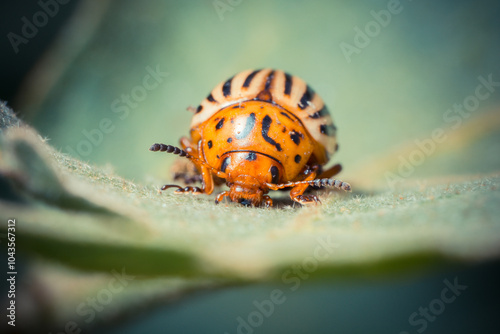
<point x="15" y="66"/>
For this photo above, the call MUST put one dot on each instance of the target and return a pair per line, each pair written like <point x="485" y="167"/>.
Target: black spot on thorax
<point x="266" y="124"/>
<point x="219" y="125"/>
<point x="295" y="136"/>
<point x="252" y="156"/>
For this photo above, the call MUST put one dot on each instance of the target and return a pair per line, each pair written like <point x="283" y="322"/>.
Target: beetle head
<point x="246" y="189"/>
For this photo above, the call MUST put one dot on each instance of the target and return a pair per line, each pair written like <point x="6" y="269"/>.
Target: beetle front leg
<point x="297" y="192"/>
<point x="221" y="196"/>
<point x="188" y="146"/>
<point x="185" y="171"/>
<point x="180" y="190"/>
<point x="332" y="171"/>
<point x="268" y="201"/>
<point x="208" y="181"/>
<point x="207" y="185"/>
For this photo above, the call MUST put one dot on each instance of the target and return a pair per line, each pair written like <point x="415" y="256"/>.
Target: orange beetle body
<point x="261" y="130"/>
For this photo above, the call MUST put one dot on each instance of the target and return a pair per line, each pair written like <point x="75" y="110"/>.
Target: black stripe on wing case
<point x="269" y="80"/>
<point x="211" y="98"/>
<point x="249" y="78"/>
<point x="226" y="88"/>
<point x="288" y="84"/>
<point x="320" y="113"/>
<point x="306" y="98"/>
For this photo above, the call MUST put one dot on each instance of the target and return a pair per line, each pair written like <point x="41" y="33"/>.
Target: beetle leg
<point x="191" y="109"/>
<point x="188" y="179"/>
<point x="297" y="192"/>
<point x="306" y="199"/>
<point x="191" y="172"/>
<point x="332" y="171"/>
<point x="207" y="186"/>
<point x="208" y="181"/>
<point x="180" y="190"/>
<point x="188" y="146"/>
<point x="221" y="196"/>
<point x="268" y="202"/>
<point x="185" y="171"/>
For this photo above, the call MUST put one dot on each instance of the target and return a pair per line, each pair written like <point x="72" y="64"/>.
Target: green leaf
<point x="90" y="219"/>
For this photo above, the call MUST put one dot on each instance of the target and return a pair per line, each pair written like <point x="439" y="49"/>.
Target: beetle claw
<point x="268" y="202"/>
<point x="221" y="196"/>
<point x="180" y="190"/>
<point x="307" y="199"/>
<point x="165" y="187"/>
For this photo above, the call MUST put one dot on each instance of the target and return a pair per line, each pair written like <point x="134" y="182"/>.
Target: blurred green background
<point x="396" y="89"/>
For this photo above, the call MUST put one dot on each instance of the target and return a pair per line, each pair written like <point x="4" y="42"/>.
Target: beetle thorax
<point x="262" y="131"/>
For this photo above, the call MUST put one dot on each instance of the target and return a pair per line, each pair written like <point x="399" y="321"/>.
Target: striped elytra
<point x="277" y="87"/>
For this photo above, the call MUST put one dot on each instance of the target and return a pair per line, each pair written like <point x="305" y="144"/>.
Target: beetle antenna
<point x="169" y="149"/>
<point x="331" y="183"/>
<point x="180" y="152"/>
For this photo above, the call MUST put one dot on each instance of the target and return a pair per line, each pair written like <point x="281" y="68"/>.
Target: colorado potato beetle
<point x="260" y="130"/>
